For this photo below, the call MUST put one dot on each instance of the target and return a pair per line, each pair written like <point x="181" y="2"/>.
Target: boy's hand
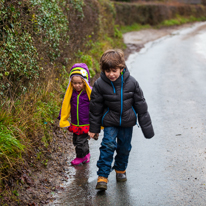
<point x="93" y="135"/>
<point x="96" y="136"/>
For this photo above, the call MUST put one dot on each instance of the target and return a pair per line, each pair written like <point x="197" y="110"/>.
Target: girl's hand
<point x="91" y="134"/>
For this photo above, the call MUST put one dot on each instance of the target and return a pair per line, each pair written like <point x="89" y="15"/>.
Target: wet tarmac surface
<point x="169" y="169"/>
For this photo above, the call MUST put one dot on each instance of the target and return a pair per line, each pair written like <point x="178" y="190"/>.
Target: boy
<point x="116" y="100"/>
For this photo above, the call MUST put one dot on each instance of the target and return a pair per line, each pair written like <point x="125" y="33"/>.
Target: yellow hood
<point x="66" y="105"/>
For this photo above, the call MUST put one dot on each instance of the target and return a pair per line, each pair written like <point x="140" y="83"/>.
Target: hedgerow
<point x="24" y="25"/>
<point x="39" y="41"/>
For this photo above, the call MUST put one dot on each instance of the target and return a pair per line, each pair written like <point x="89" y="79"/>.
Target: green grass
<point x="9" y="145"/>
<point x="26" y="124"/>
<point x="179" y="20"/>
<point x="11" y="148"/>
<point x="134" y="27"/>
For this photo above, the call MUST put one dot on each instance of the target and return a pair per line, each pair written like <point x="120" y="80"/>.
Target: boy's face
<point x="113" y="74"/>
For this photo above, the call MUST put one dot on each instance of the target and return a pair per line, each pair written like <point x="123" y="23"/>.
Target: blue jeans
<point x="115" y="138"/>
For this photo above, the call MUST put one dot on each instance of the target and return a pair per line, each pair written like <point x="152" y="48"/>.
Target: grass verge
<point x="134" y="27"/>
<point x="179" y="20"/>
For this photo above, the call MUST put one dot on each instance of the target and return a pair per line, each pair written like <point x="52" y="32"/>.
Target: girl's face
<point x="77" y="83"/>
<point x="113" y="74"/>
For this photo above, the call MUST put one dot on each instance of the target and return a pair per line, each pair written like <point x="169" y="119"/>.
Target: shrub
<point x="24" y="25"/>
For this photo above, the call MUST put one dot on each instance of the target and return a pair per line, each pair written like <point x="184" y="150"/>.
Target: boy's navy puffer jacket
<point x="119" y="103"/>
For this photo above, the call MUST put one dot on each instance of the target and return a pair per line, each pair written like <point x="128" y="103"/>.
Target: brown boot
<point x="102" y="183"/>
<point x="121" y="176"/>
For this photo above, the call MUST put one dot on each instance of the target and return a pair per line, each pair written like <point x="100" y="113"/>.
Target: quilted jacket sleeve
<point x="141" y="108"/>
<point x="96" y="107"/>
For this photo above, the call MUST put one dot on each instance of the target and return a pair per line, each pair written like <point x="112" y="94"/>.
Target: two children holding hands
<point x="116" y="103"/>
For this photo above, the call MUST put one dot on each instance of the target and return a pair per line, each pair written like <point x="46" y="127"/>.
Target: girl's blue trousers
<point x="119" y="139"/>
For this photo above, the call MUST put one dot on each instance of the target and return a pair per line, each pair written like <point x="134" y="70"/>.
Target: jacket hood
<point x="66" y="105"/>
<point x="84" y="66"/>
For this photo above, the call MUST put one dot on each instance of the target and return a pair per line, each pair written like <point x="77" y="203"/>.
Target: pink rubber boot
<point x="88" y="157"/>
<point x="78" y="160"/>
<point x="83" y="160"/>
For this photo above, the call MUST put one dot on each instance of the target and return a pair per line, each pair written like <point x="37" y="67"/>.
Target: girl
<point x="76" y="104"/>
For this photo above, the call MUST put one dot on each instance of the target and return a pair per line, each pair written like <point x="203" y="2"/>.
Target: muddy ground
<point x="37" y="185"/>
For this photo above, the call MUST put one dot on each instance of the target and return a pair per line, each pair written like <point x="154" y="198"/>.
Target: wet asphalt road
<point x="169" y="169"/>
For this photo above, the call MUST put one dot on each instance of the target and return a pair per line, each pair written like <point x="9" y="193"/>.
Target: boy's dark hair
<point x="111" y="59"/>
